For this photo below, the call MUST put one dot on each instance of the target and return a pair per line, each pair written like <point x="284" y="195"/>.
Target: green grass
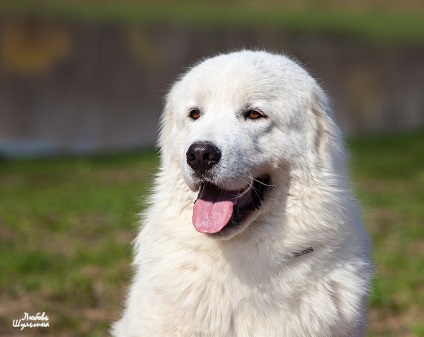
<point x="66" y="225"/>
<point x="65" y="229"/>
<point x="389" y="173"/>
<point x="387" y="25"/>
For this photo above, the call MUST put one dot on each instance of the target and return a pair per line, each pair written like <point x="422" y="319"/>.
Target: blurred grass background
<point x="67" y="221"/>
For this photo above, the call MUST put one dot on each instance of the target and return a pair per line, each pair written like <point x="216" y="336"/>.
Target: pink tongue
<point x="213" y="209"/>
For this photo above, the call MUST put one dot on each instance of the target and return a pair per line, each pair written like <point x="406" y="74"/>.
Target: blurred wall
<point x="86" y="87"/>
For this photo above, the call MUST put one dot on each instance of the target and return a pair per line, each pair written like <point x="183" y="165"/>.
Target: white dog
<point x="252" y="229"/>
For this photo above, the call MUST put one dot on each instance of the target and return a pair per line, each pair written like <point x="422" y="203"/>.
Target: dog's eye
<point x="253" y="114"/>
<point x="194" y="113"/>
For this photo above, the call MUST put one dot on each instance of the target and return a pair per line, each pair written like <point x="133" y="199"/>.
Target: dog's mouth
<point x="217" y="211"/>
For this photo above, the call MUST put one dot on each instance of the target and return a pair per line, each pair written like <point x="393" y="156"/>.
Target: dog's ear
<point x="327" y="138"/>
<point x="167" y="134"/>
<point x="170" y="139"/>
<point x="165" y="125"/>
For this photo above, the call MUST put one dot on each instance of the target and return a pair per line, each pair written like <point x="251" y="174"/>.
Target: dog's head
<point x="234" y="125"/>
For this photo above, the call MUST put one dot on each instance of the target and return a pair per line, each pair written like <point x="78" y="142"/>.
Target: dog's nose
<point x="201" y="156"/>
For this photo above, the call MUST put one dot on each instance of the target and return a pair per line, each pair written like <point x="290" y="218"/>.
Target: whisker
<point x="253" y="186"/>
<point x="262" y="183"/>
<point x="258" y="181"/>
<point x="250" y="186"/>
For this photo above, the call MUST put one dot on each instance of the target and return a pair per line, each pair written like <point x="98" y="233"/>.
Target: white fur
<point x="249" y="284"/>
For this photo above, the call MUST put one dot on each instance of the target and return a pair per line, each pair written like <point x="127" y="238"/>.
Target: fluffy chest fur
<point x="190" y="287"/>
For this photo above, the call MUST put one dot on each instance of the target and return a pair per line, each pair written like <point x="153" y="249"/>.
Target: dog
<point x="251" y="228"/>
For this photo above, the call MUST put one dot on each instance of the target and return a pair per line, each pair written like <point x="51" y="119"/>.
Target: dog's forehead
<point x="246" y="75"/>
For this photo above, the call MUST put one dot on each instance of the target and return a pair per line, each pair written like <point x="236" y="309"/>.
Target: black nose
<point x="201" y="156"/>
